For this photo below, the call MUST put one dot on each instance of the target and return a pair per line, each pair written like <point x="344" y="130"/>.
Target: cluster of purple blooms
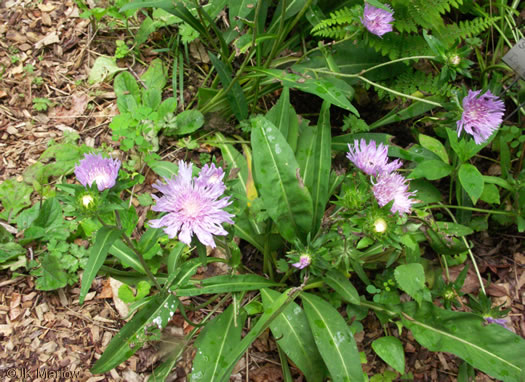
<point x="192" y="205"/>
<point x="388" y="185"/>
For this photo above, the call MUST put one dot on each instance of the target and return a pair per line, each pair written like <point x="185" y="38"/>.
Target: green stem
<point x="130" y="244"/>
<point x="395" y="61"/>
<point x="375" y="84"/>
<point x="471" y="254"/>
<point x="471" y="209"/>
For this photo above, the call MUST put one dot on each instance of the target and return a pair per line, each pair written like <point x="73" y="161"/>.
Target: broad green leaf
<point x="164" y="169"/>
<point x="498" y="181"/>
<point x="334" y="339"/>
<point x="264" y="321"/>
<point x="490" y="348"/>
<point x="471" y="180"/>
<point x="235" y="95"/>
<point x="319" y="181"/>
<point x="127" y="92"/>
<point x="431" y="170"/>
<point x="490" y="194"/>
<point x="245" y="229"/>
<point x="390" y="349"/>
<point x="227" y="283"/>
<point x="287" y="201"/>
<point x="464" y="147"/>
<point x="188" y="122"/>
<point x="411" y="279"/>
<point x="156" y="76"/>
<point x="144" y="326"/>
<point x="454" y="229"/>
<point x="10" y="251"/>
<point x="294" y="336"/>
<point x="332" y="90"/>
<point x="216" y="341"/>
<point x="127" y="257"/>
<point x="284" y="117"/>
<point x="49" y="223"/>
<point x="14" y="196"/>
<point x="434" y="145"/>
<point x="53" y="276"/>
<point x="102" y="68"/>
<point x="426" y="191"/>
<point x="105" y="238"/>
<point x="338" y="282"/>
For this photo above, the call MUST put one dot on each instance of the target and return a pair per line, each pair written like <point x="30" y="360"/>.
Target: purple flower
<point x="498" y="321"/>
<point x="394" y="187"/>
<point x="371" y="159"/>
<point x="304" y="261"/>
<point x="377" y="20"/>
<point x="192" y="205"/>
<point x="482" y="114"/>
<point x="95" y="168"/>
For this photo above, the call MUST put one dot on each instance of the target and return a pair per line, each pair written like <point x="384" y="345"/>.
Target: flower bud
<point x="380" y="225"/>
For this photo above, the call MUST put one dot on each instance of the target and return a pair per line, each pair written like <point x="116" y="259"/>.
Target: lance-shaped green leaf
<point x="318" y="181"/>
<point x="235" y="95"/>
<point x="338" y="282"/>
<point x="218" y="339"/>
<point x="295" y="338"/>
<point x="264" y="321"/>
<point x="127" y="257"/>
<point x="227" y="283"/>
<point x="333" y="338"/>
<point x="286" y="199"/>
<point x="284" y="117"/>
<point x="340" y="143"/>
<point x="145" y="326"/>
<point x="333" y="90"/>
<point x="105" y="238"/>
<point x="490" y="348"/>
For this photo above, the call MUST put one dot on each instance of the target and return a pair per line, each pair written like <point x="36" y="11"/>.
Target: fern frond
<point x="396" y="46"/>
<point x="411" y="82"/>
<point x="339" y="23"/>
<point x="469" y="28"/>
<point x="424" y="13"/>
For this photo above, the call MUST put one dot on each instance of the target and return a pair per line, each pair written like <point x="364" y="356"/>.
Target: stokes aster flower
<point x="394" y="187"/>
<point x="304" y="261"/>
<point x="482" y="115"/>
<point x="192" y="205"/>
<point x="371" y="159"/>
<point x="377" y="20"/>
<point x="95" y="168"/>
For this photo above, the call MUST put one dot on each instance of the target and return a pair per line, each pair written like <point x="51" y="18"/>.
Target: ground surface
<point x="49" y="332"/>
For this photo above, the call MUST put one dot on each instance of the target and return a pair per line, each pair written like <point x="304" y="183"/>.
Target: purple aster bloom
<point x="482" y="114"/>
<point x="95" y="168"/>
<point x="377" y="20"/>
<point x="304" y="261"/>
<point x="498" y="321"/>
<point x="394" y="187"/>
<point x="192" y="205"/>
<point x="371" y="159"/>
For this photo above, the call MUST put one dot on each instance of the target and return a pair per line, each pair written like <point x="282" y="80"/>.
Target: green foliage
<point x="14" y="196"/>
<point x="41" y="104"/>
<point x="339" y="25"/>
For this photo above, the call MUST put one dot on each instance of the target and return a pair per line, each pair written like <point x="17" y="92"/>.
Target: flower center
<point x="87" y="200"/>
<point x="380" y="225"/>
<point x="192" y="207"/>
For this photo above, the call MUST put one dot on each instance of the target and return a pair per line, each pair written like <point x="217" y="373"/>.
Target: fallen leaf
<point x="51" y="38"/>
<point x="121" y="306"/>
<point x="79" y="102"/>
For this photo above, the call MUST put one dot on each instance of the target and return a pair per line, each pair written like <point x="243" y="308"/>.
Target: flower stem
<point x="445" y="206"/>
<point x="130" y="244"/>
